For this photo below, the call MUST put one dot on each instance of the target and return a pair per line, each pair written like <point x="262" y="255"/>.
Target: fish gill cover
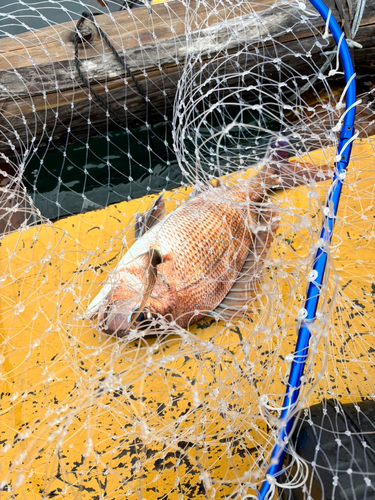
<point x="146" y="341"/>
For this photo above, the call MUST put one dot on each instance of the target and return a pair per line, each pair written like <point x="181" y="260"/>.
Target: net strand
<point x="186" y="399"/>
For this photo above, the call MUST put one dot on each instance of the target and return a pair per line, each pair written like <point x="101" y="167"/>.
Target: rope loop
<point x="79" y="37"/>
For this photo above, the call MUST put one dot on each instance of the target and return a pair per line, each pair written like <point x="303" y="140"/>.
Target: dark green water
<point x="127" y="166"/>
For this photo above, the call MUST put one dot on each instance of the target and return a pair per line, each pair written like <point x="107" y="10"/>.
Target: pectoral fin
<point x="143" y="222"/>
<point x="150" y="261"/>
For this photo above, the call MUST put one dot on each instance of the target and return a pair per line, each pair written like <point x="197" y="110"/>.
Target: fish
<point x="203" y="258"/>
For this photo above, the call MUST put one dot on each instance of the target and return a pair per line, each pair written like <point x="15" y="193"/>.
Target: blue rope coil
<point x="320" y="261"/>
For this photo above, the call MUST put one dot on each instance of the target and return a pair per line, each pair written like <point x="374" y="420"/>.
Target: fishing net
<point x="104" y="107"/>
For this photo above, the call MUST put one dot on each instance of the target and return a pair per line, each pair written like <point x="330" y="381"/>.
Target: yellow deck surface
<point x="86" y="416"/>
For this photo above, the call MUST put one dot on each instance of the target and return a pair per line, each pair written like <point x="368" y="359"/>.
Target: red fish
<point x="204" y="256"/>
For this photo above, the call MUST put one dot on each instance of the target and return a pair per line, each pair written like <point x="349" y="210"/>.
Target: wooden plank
<point x="42" y="99"/>
<point x="128" y="29"/>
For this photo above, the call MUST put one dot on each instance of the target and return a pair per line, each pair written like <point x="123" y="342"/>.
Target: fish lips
<point x="117" y="319"/>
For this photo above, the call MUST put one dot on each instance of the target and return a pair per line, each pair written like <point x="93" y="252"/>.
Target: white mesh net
<point x="231" y="111"/>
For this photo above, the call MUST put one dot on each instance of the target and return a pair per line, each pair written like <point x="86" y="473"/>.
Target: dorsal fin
<point x="216" y="183"/>
<point x="201" y="188"/>
<point x="143" y="222"/>
<point x="247" y="284"/>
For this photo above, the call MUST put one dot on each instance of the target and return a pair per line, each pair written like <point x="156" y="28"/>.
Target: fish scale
<point x="206" y="255"/>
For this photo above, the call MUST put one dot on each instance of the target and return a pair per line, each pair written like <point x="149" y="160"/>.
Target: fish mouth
<point x="117" y="320"/>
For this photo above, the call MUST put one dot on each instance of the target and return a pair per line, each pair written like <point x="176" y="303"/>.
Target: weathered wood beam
<point x="44" y="103"/>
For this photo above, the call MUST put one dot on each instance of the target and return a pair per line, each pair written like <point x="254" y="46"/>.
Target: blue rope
<point x="320" y="260"/>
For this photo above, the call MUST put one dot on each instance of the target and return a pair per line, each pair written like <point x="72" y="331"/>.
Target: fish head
<point x="121" y="316"/>
<point x="123" y="311"/>
<point x="124" y="307"/>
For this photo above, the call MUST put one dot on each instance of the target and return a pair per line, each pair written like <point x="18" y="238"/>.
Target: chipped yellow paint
<point x="86" y="416"/>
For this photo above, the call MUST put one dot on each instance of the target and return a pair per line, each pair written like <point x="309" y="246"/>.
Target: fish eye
<point x="142" y="319"/>
<point x="137" y="317"/>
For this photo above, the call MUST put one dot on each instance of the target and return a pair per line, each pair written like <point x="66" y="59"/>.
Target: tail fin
<point x="281" y="173"/>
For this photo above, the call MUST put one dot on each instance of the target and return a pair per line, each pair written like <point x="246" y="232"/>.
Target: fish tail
<point x="289" y="174"/>
<point x="282" y="173"/>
